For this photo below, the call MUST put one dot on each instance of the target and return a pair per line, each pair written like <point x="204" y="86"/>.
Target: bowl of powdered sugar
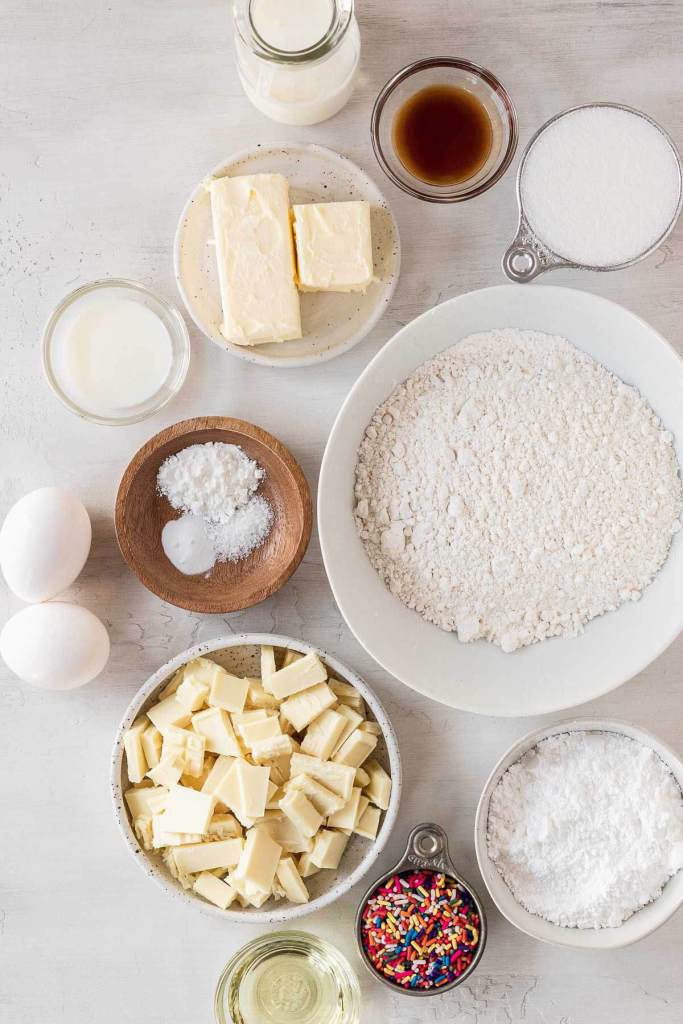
<point x="500" y="501"/>
<point x="579" y="834"/>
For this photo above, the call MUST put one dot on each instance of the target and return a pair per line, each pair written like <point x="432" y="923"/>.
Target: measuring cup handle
<point x="427" y="849"/>
<point x="527" y="257"/>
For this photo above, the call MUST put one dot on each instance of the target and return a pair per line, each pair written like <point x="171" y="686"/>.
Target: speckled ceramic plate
<point x="241" y="655"/>
<point x="332" y="322"/>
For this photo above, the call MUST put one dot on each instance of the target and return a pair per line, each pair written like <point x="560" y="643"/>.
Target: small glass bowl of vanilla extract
<point x="444" y="129"/>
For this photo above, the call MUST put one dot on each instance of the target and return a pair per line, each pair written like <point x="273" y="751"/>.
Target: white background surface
<point x="109" y="114"/>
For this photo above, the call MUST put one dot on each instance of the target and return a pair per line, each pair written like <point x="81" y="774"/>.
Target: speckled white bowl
<point x="639" y="925"/>
<point x="240" y="654"/>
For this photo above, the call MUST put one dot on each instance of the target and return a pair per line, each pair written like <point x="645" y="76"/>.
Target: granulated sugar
<point x="586" y="828"/>
<point x="600" y="186"/>
<point x="512" y="489"/>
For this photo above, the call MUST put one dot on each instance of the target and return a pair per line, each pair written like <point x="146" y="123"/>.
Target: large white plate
<point x="332" y="322"/>
<point x="479" y="677"/>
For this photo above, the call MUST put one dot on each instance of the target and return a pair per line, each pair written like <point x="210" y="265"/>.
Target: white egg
<point x="44" y="543"/>
<point x="56" y="646"/>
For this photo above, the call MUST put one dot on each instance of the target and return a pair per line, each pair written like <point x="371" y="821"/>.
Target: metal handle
<point x="527" y="257"/>
<point x="427" y="849"/>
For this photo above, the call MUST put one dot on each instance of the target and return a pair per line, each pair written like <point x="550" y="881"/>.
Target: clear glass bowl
<point x="454" y="72"/>
<point x="169" y="316"/>
<point x="287" y="977"/>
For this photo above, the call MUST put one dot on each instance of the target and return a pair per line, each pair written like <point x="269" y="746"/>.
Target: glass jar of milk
<point x="297" y="59"/>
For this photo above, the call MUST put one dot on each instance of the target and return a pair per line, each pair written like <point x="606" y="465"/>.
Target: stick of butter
<point x="255" y="256"/>
<point x="333" y="247"/>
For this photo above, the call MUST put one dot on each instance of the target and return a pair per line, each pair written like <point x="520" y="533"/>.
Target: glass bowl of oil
<point x="444" y="129"/>
<point x="287" y="977"/>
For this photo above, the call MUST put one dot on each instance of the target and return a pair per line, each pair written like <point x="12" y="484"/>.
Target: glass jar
<point x="287" y="977"/>
<point x="297" y="59"/>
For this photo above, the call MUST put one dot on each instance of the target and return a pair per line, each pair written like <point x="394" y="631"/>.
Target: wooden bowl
<point x="141" y="514"/>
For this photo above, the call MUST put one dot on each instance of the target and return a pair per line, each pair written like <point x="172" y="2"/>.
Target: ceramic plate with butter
<point x="332" y="322"/>
<point x="557" y="673"/>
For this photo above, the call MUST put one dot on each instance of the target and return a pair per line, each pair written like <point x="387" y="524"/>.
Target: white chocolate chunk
<point x="167" y="772"/>
<point x="297" y="676"/>
<point x="161" y="837"/>
<point x="135" y="758"/>
<point x="328" y="848"/>
<point x="143" y="803"/>
<point x="356" y="749"/>
<point x="306" y="866"/>
<point x="144" y="831"/>
<point x="173" y="684"/>
<point x="169" y="713"/>
<point x="345" y="818"/>
<point x="323" y="734"/>
<point x="362" y="778"/>
<point x="225" y="826"/>
<point x="271" y="749"/>
<point x="285" y="833"/>
<point x="258" y="696"/>
<point x="196" y="857"/>
<point x="372" y="727"/>
<point x="379" y="789"/>
<point x="219" y="770"/>
<point x="301" y="709"/>
<point x="188" y="810"/>
<point x="192" y="693"/>
<point x="368" y="823"/>
<point x="215" y="726"/>
<point x="301" y="812"/>
<point x="337" y="777"/>
<point x="324" y="800"/>
<point x="245" y="717"/>
<point x="290" y="657"/>
<point x="363" y="804"/>
<point x="151" y="740"/>
<point x="255" y="731"/>
<point x="214" y="890"/>
<point x="186" y="745"/>
<point x="259" y="860"/>
<point x="267" y="663"/>
<point x="227" y="691"/>
<point x="347" y="694"/>
<point x="197" y="781"/>
<point x="245" y="790"/>
<point x="290" y="880"/>
<point x="351" y="721"/>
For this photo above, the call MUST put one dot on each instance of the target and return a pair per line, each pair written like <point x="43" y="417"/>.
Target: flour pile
<point x="586" y="828"/>
<point x="513" y="488"/>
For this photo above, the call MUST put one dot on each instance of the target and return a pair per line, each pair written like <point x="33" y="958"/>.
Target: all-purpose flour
<point x="513" y="488"/>
<point x="586" y="828"/>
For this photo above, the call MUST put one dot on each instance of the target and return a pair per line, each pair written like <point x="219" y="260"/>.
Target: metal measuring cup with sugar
<point x="528" y="255"/>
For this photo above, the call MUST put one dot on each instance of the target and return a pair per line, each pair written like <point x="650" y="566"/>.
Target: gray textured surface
<point x="109" y="114"/>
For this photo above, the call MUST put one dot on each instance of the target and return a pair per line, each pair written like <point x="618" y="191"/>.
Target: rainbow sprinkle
<point x="420" y="929"/>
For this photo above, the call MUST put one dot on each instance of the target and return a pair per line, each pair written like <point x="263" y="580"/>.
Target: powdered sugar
<point x="512" y="489"/>
<point x="223" y="519"/>
<point x="586" y="828"/>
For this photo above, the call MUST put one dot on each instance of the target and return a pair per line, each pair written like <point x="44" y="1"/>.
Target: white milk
<point x="291" y="25"/>
<point x="111" y="353"/>
<point x="307" y="91"/>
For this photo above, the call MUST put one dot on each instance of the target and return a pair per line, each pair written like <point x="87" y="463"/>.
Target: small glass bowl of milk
<point x="114" y="352"/>
<point x="297" y="59"/>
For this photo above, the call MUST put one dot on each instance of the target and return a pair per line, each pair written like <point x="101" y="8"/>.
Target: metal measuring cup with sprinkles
<point x="421" y="928"/>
